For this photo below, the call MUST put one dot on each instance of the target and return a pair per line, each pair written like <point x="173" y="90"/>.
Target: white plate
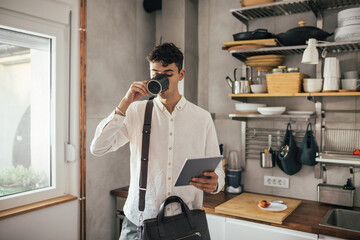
<point x="300" y="112"/>
<point x="274" y="207"/>
<point x="271" y="110"/>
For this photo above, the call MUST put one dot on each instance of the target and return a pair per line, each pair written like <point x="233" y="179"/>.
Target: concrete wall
<point x="119" y="37"/>
<point x="216" y="24"/>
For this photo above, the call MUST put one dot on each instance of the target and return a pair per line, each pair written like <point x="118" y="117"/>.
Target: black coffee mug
<point x="158" y="84"/>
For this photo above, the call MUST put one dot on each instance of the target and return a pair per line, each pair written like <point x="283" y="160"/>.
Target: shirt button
<point x="115" y="119"/>
<point x="171" y="119"/>
<point x="169" y="163"/>
<point x="170" y="148"/>
<point x="168" y="209"/>
<point x="169" y="178"/>
<point x="179" y="107"/>
<point x="169" y="193"/>
<point x="170" y="134"/>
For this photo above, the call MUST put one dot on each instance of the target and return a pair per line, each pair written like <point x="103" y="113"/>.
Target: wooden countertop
<point x="304" y="218"/>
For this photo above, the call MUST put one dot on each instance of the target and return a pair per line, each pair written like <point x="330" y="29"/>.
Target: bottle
<point x="348" y="185"/>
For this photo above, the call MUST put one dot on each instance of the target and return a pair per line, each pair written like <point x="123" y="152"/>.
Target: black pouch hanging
<point x="309" y="148"/>
<point x="288" y="158"/>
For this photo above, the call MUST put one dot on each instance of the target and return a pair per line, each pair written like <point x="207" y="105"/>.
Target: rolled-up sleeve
<point x="111" y="134"/>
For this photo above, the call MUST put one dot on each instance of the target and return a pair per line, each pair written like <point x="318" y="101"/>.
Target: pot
<point x="299" y="35"/>
<point x="252" y="35"/>
<point x="267" y="158"/>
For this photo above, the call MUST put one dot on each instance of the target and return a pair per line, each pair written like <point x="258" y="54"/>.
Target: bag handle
<point x="309" y="125"/>
<point x="288" y="126"/>
<point x="161" y="215"/>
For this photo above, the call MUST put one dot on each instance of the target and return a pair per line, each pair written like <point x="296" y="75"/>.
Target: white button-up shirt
<point x="188" y="132"/>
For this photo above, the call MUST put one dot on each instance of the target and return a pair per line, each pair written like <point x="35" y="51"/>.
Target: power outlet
<point x="280" y="182"/>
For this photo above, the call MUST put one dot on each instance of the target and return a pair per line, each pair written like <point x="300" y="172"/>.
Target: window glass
<point x="25" y="119"/>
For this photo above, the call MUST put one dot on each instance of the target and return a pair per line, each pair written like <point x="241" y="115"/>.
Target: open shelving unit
<point x="285" y="8"/>
<point x="245" y="14"/>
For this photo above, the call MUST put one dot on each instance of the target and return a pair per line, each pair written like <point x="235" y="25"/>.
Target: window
<point x="25" y="104"/>
<point x="35" y="100"/>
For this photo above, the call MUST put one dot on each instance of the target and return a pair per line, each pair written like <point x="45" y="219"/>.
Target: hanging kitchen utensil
<point x="299" y="35"/>
<point x="259" y="33"/>
<point x="267" y="158"/>
<point x="288" y="155"/>
<point x="309" y="148"/>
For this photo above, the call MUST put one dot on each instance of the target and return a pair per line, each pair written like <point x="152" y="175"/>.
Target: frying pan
<point x="256" y="34"/>
<point x="299" y="35"/>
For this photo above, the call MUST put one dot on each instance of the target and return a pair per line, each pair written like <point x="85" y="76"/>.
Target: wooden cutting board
<point x="270" y="42"/>
<point x="246" y="205"/>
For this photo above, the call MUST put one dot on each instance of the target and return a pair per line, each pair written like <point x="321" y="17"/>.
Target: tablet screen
<point x="195" y="167"/>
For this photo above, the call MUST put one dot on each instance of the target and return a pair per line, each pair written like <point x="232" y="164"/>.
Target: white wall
<point x="59" y="221"/>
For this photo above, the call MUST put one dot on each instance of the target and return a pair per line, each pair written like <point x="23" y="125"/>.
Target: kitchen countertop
<point x="304" y="218"/>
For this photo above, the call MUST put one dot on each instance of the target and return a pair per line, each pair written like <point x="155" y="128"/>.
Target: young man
<point x="179" y="130"/>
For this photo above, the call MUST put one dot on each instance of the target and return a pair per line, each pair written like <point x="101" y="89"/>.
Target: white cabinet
<point x="239" y="229"/>
<point x="216" y="226"/>
<point x="223" y="228"/>
<point x="324" y="237"/>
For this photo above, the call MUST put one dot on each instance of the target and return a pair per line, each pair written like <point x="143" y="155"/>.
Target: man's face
<point x="172" y="73"/>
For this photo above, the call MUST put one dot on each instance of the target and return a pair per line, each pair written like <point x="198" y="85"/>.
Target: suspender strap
<point x="145" y="154"/>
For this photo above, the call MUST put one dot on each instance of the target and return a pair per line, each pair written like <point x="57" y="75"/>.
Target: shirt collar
<point x="179" y="106"/>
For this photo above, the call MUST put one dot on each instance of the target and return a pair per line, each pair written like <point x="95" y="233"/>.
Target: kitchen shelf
<point x="240" y="116"/>
<point x="319" y="94"/>
<point x="245" y="14"/>
<point x="343" y="159"/>
<point x="330" y="47"/>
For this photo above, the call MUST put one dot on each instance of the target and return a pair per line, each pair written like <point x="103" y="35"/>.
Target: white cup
<point x="351" y="84"/>
<point x="332" y="67"/>
<point x="331" y="83"/>
<point x="351" y="75"/>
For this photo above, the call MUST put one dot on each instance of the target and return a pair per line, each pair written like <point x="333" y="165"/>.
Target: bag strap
<point x="145" y="154"/>
<point x="288" y="126"/>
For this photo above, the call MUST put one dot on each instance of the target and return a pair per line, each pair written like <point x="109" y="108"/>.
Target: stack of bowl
<point x="348" y="25"/>
<point x="351" y="81"/>
<point x="312" y="84"/>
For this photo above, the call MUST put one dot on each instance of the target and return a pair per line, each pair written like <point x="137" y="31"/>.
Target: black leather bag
<point x="190" y="224"/>
<point x="309" y="148"/>
<point x="288" y="158"/>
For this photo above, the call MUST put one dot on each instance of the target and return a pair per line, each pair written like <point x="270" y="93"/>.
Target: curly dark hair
<point x="166" y="53"/>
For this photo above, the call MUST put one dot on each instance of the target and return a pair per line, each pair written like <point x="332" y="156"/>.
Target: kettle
<point x="234" y="85"/>
<point x="241" y="86"/>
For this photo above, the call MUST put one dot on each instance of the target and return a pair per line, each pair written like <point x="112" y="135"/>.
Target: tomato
<point x="264" y="203"/>
<point x="356" y="152"/>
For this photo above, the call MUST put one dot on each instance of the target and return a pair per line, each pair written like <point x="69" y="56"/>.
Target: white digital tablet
<point x="195" y="167"/>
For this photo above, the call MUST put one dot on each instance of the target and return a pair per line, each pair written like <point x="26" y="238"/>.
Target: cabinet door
<point x="324" y="237"/>
<point x="238" y="229"/>
<point x="216" y="226"/>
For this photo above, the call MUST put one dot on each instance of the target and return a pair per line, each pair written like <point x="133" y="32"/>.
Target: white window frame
<point x="51" y="20"/>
